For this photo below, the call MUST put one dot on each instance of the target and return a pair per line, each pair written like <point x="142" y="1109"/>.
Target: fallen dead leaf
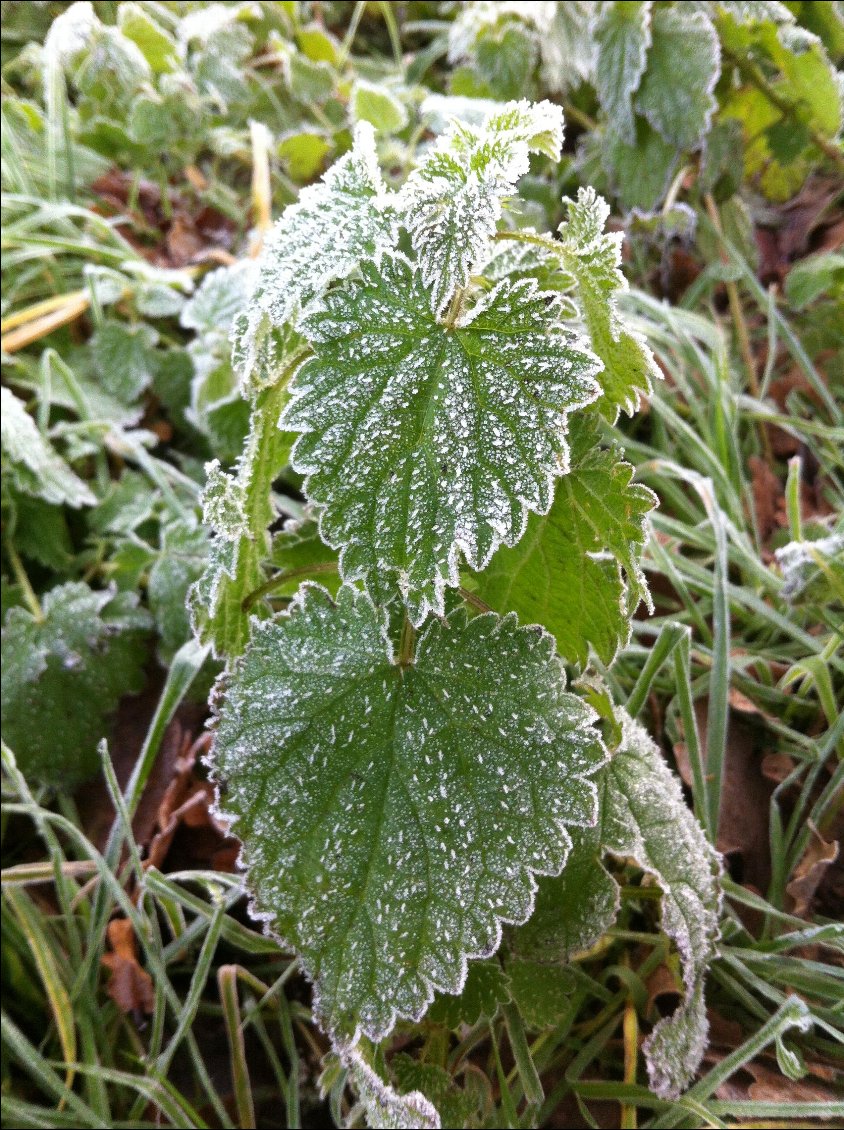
<point x="809" y="872"/>
<point x="130" y="986"/>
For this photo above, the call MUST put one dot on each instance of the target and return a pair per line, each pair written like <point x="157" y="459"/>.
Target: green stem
<point x="284" y="577"/>
<point x="406" y="644"/>
<point x="29" y="596"/>
<point x="525" y="1066"/>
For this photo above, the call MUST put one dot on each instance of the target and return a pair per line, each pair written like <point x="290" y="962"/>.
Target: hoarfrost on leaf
<point x="393" y="815"/>
<point x="623" y="34"/>
<point x="384" y="1107"/>
<point x="593" y="257"/>
<point x="422" y="440"/>
<point x="645" y="817"/>
<point x="324" y="235"/>
<point x="683" y="43"/>
<point x="34" y="465"/>
<point x="452" y="203"/>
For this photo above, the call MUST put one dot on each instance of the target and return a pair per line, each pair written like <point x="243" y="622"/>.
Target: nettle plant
<point x="397" y="749"/>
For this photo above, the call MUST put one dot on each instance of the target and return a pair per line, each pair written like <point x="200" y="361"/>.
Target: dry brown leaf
<point x="130" y="986"/>
<point x="809" y="872"/>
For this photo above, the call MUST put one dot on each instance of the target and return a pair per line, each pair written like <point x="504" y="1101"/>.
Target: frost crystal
<point x="393" y="816"/>
<point x="421" y="440"/>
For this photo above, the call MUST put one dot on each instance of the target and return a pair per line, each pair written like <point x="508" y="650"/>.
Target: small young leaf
<point x="385" y="1108"/>
<point x="422" y="440"/>
<point x="64" y="675"/>
<point x="34" y="466"/>
<point x="684" y="62"/>
<point x="487" y="986"/>
<point x="324" y="235"/>
<point x="541" y="992"/>
<point x="641" y="171"/>
<point x="645" y="817"/>
<point x="562" y="573"/>
<point x="379" y="106"/>
<point x="593" y="257"/>
<point x="452" y="203"/>
<point x="125" y="358"/>
<point x="623" y="33"/>
<point x="393" y="815"/>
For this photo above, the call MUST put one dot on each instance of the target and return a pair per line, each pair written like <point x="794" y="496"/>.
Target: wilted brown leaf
<point x="809" y="872"/>
<point x="130" y="986"/>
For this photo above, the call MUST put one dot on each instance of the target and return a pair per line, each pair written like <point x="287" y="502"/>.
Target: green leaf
<point x="684" y="63"/>
<point x="565" y="573"/>
<point x="640" y="172"/>
<point x="377" y="105"/>
<point x="385" y="1108"/>
<point x="452" y="202"/>
<point x="423" y="440"/>
<point x="813" y="569"/>
<point x="573" y="910"/>
<point x="40" y="532"/>
<point x="325" y="234"/>
<point x="567" y="43"/>
<point x="64" y="675"/>
<point x="125" y="358"/>
<point x="411" y="803"/>
<point x="645" y="817"/>
<point x="487" y="986"/>
<point x="34" y="466"/>
<point x="183" y="556"/>
<point x="593" y="257"/>
<point x="156" y="45"/>
<point x="457" y="1106"/>
<point x="542" y="992"/>
<point x="814" y="276"/>
<point x="623" y="34"/>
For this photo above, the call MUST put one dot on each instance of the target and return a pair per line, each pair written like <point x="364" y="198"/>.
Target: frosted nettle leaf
<point x="421" y="440"/>
<point x="384" y="1107"/>
<point x="375" y="103"/>
<point x="261" y="351"/>
<point x="566" y="572"/>
<point x="567" y="44"/>
<point x="125" y="358"/>
<point x="623" y="34"/>
<point x="593" y="257"/>
<point x="757" y="11"/>
<point x="452" y="203"/>
<point x="645" y="817"/>
<point x="641" y="172"/>
<point x="806" y="565"/>
<point x="456" y="1105"/>
<point x="683" y="43"/>
<point x="34" y="465"/>
<point x="574" y="909"/>
<point x="487" y="986"/>
<point x="239" y="508"/>
<point x="219" y="298"/>
<point x="183" y="556"/>
<point x="392" y="815"/>
<point x="325" y="234"/>
<point x="64" y="675"/>
<point x="224" y="503"/>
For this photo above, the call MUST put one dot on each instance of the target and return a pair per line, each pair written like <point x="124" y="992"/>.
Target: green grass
<point x="230" y="1040"/>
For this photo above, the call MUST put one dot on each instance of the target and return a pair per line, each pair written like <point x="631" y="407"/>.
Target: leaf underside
<point x="392" y="817"/>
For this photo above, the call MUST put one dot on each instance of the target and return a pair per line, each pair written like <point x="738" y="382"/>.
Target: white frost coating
<point x="392" y="817"/>
<point x="802" y="561"/>
<point x="323" y="236"/>
<point x="623" y="35"/>
<point x="687" y="43"/>
<point x="473" y="19"/>
<point x="223" y="503"/>
<point x="452" y="203"/>
<point x="646" y="817"/>
<point x="420" y="441"/>
<point x="593" y="257"/>
<point x="36" y="467"/>
<point x="71" y="32"/>
<point x="385" y="1108"/>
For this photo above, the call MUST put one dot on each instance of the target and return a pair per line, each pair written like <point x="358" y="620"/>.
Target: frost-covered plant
<point x="398" y="751"/>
